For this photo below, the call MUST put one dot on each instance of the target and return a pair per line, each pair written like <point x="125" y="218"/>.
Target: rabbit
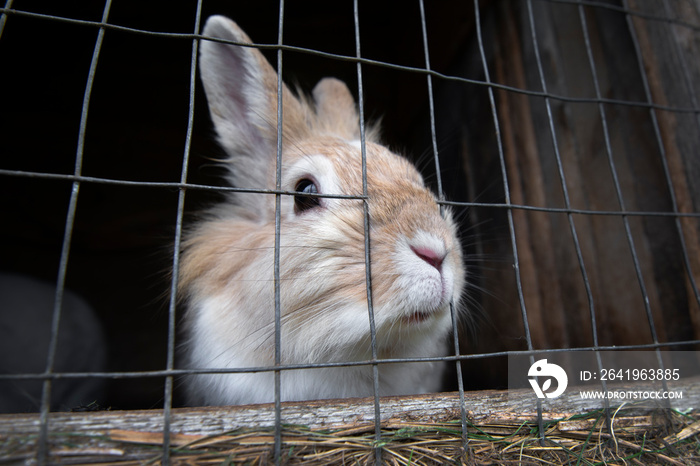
<point x="227" y="264"/>
<point x="26" y="312"/>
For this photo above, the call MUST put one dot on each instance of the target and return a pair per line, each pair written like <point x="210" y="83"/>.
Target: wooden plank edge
<point x="482" y="407"/>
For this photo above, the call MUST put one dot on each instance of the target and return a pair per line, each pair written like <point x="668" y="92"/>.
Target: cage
<point x="563" y="134"/>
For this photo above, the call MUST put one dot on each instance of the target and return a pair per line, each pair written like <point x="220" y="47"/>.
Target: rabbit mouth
<point x="418" y="317"/>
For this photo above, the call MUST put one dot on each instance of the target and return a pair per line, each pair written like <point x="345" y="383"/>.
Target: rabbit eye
<point x="302" y="202"/>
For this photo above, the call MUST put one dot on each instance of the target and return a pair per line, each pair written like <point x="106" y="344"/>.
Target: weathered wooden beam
<point x="483" y="407"/>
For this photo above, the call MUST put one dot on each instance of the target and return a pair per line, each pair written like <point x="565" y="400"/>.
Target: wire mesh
<point x="366" y="225"/>
<point x="603" y="104"/>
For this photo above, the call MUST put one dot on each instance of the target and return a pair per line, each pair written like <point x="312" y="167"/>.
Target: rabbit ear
<point x="241" y="89"/>
<point x="335" y="107"/>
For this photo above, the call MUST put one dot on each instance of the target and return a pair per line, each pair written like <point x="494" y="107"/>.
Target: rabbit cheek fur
<point x="227" y="274"/>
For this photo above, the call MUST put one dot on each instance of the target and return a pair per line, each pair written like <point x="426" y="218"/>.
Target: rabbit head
<point x="227" y="271"/>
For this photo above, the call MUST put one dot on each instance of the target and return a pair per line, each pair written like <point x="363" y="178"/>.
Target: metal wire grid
<point x="170" y="372"/>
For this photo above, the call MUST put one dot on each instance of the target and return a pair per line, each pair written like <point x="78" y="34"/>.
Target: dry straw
<point x="657" y="437"/>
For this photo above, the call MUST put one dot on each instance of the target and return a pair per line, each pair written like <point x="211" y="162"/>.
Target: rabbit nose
<point x="430" y="256"/>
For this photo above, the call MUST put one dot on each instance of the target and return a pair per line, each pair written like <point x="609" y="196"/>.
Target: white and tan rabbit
<point x="227" y="273"/>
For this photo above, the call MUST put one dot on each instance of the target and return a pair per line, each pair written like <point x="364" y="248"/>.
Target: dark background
<point x="137" y="123"/>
